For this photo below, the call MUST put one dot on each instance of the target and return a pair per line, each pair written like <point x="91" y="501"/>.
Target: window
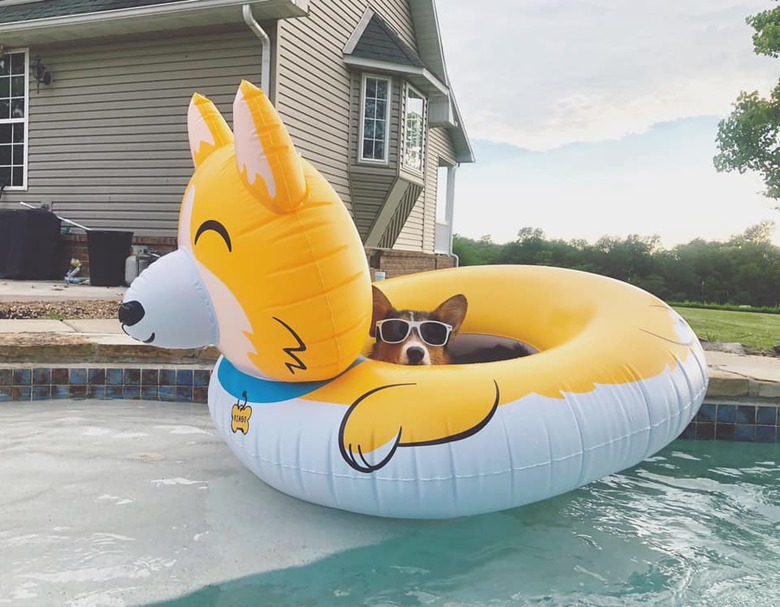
<point x="414" y="130"/>
<point x="13" y="119"/>
<point x="375" y="119"/>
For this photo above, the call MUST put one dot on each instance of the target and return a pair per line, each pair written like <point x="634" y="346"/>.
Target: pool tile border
<point x="735" y="422"/>
<point x="172" y="384"/>
<point x="714" y="421"/>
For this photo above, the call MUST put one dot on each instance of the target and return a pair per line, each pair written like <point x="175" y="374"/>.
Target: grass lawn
<point x="754" y="329"/>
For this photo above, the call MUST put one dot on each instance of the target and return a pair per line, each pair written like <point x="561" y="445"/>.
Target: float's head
<point x="270" y="266"/>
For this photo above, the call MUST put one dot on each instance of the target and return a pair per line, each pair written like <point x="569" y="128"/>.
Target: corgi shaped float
<point x="271" y="269"/>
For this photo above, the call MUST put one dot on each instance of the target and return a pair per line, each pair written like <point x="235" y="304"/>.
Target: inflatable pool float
<point x="286" y="296"/>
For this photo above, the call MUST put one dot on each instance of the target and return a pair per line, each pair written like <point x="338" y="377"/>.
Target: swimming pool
<point x="127" y="502"/>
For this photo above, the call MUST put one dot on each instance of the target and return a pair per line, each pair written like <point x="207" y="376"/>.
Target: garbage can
<point x="28" y="244"/>
<point x="107" y="251"/>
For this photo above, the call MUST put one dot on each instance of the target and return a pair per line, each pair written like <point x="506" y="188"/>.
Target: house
<point x="93" y="100"/>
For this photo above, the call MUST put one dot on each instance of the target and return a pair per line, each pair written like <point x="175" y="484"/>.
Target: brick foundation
<point x="392" y="263"/>
<point x="399" y="263"/>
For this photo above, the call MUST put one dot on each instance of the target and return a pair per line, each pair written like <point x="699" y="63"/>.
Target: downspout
<point x="265" y="41"/>
<point x="449" y="210"/>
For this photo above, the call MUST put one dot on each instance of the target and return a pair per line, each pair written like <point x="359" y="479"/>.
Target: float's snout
<point x="169" y="306"/>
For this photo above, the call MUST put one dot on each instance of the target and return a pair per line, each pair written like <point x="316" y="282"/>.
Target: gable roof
<point x="379" y="41"/>
<point x="375" y="45"/>
<point x="43" y="22"/>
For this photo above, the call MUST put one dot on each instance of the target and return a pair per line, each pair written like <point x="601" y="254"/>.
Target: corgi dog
<point x="411" y="337"/>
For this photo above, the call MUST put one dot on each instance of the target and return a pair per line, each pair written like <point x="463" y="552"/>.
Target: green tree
<point x="749" y="139"/>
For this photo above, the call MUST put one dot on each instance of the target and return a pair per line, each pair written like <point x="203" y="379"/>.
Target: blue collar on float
<point x="263" y="391"/>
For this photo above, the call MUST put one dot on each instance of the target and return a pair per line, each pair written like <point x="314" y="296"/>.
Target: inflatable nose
<point x="131" y="312"/>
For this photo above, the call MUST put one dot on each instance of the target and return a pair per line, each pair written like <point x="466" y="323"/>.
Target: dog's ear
<point x="381" y="310"/>
<point x="452" y="311"/>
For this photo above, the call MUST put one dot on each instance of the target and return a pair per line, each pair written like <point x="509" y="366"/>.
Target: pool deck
<point x="102" y="341"/>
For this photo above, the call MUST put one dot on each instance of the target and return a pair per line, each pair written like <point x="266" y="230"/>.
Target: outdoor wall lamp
<point x="39" y="73"/>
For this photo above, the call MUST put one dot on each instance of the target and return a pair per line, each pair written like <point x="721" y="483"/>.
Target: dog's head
<point x="413" y="337"/>
<point x="270" y="266"/>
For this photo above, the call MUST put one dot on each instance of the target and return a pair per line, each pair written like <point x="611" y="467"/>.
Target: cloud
<point x="543" y="73"/>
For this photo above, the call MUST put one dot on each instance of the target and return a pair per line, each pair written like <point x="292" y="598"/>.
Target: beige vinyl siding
<point x="108" y="138"/>
<point x="319" y="98"/>
<point x="419" y="232"/>
<point x="313" y="86"/>
<point x="408" y="201"/>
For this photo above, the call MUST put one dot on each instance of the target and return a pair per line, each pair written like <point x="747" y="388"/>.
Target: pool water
<point x="698" y="524"/>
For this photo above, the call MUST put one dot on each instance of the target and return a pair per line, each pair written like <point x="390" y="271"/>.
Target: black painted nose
<point x="131" y="312"/>
<point x="415" y="355"/>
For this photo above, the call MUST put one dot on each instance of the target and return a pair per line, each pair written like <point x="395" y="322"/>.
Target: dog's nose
<point x="415" y="355"/>
<point x="131" y="312"/>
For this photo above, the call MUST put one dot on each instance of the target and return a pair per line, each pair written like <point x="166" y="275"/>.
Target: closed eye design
<point x="214" y="226"/>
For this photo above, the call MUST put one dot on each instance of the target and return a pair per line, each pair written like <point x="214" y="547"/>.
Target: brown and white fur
<point x="413" y="350"/>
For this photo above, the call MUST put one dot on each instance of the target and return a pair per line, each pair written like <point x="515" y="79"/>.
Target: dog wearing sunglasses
<point x="412" y="337"/>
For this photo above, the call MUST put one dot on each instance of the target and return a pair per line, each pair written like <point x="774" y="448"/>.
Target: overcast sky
<point x="598" y="117"/>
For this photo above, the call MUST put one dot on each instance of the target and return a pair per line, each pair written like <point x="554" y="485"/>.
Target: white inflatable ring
<point x="618" y="376"/>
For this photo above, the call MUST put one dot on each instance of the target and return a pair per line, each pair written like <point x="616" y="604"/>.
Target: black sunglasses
<point x="395" y="330"/>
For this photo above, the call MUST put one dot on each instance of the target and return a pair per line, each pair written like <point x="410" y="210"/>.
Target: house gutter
<point x="265" y="41"/>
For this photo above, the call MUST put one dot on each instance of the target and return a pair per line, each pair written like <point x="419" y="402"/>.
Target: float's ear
<point x="207" y="129"/>
<point x="269" y="165"/>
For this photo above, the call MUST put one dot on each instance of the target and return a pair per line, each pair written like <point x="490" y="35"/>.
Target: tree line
<point x="745" y="270"/>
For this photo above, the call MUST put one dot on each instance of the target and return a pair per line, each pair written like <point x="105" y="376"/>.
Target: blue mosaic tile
<point x="41" y="392"/>
<point x="184" y="394"/>
<point x="5" y="377"/>
<point x="59" y="376"/>
<point x="167" y="377"/>
<point x="746" y="414"/>
<point x="41" y="376"/>
<point x="184" y="377"/>
<point x="113" y="391"/>
<point x="96" y="377"/>
<point x="21" y="393"/>
<point x="59" y="391"/>
<point x="705" y="431"/>
<point x="22" y="377"/>
<point x="706" y="413"/>
<point x="132" y="392"/>
<point x="745" y="432"/>
<point x="78" y="377"/>
<point x="201" y="377"/>
<point x="95" y="391"/>
<point x="167" y="393"/>
<point x="76" y="391"/>
<point x="132" y="377"/>
<point x="727" y="414"/>
<point x="149" y="392"/>
<point x="114" y="377"/>
<point x="725" y="431"/>
<point x="200" y="394"/>
<point x="766" y="434"/>
<point x="150" y="377"/>
<point x="767" y="416"/>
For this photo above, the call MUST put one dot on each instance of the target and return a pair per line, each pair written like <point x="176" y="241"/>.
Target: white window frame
<point x="25" y="120"/>
<point x="414" y="169"/>
<point x="389" y="101"/>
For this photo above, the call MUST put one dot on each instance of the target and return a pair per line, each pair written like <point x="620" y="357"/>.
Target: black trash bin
<point x="28" y="244"/>
<point x="108" y="250"/>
